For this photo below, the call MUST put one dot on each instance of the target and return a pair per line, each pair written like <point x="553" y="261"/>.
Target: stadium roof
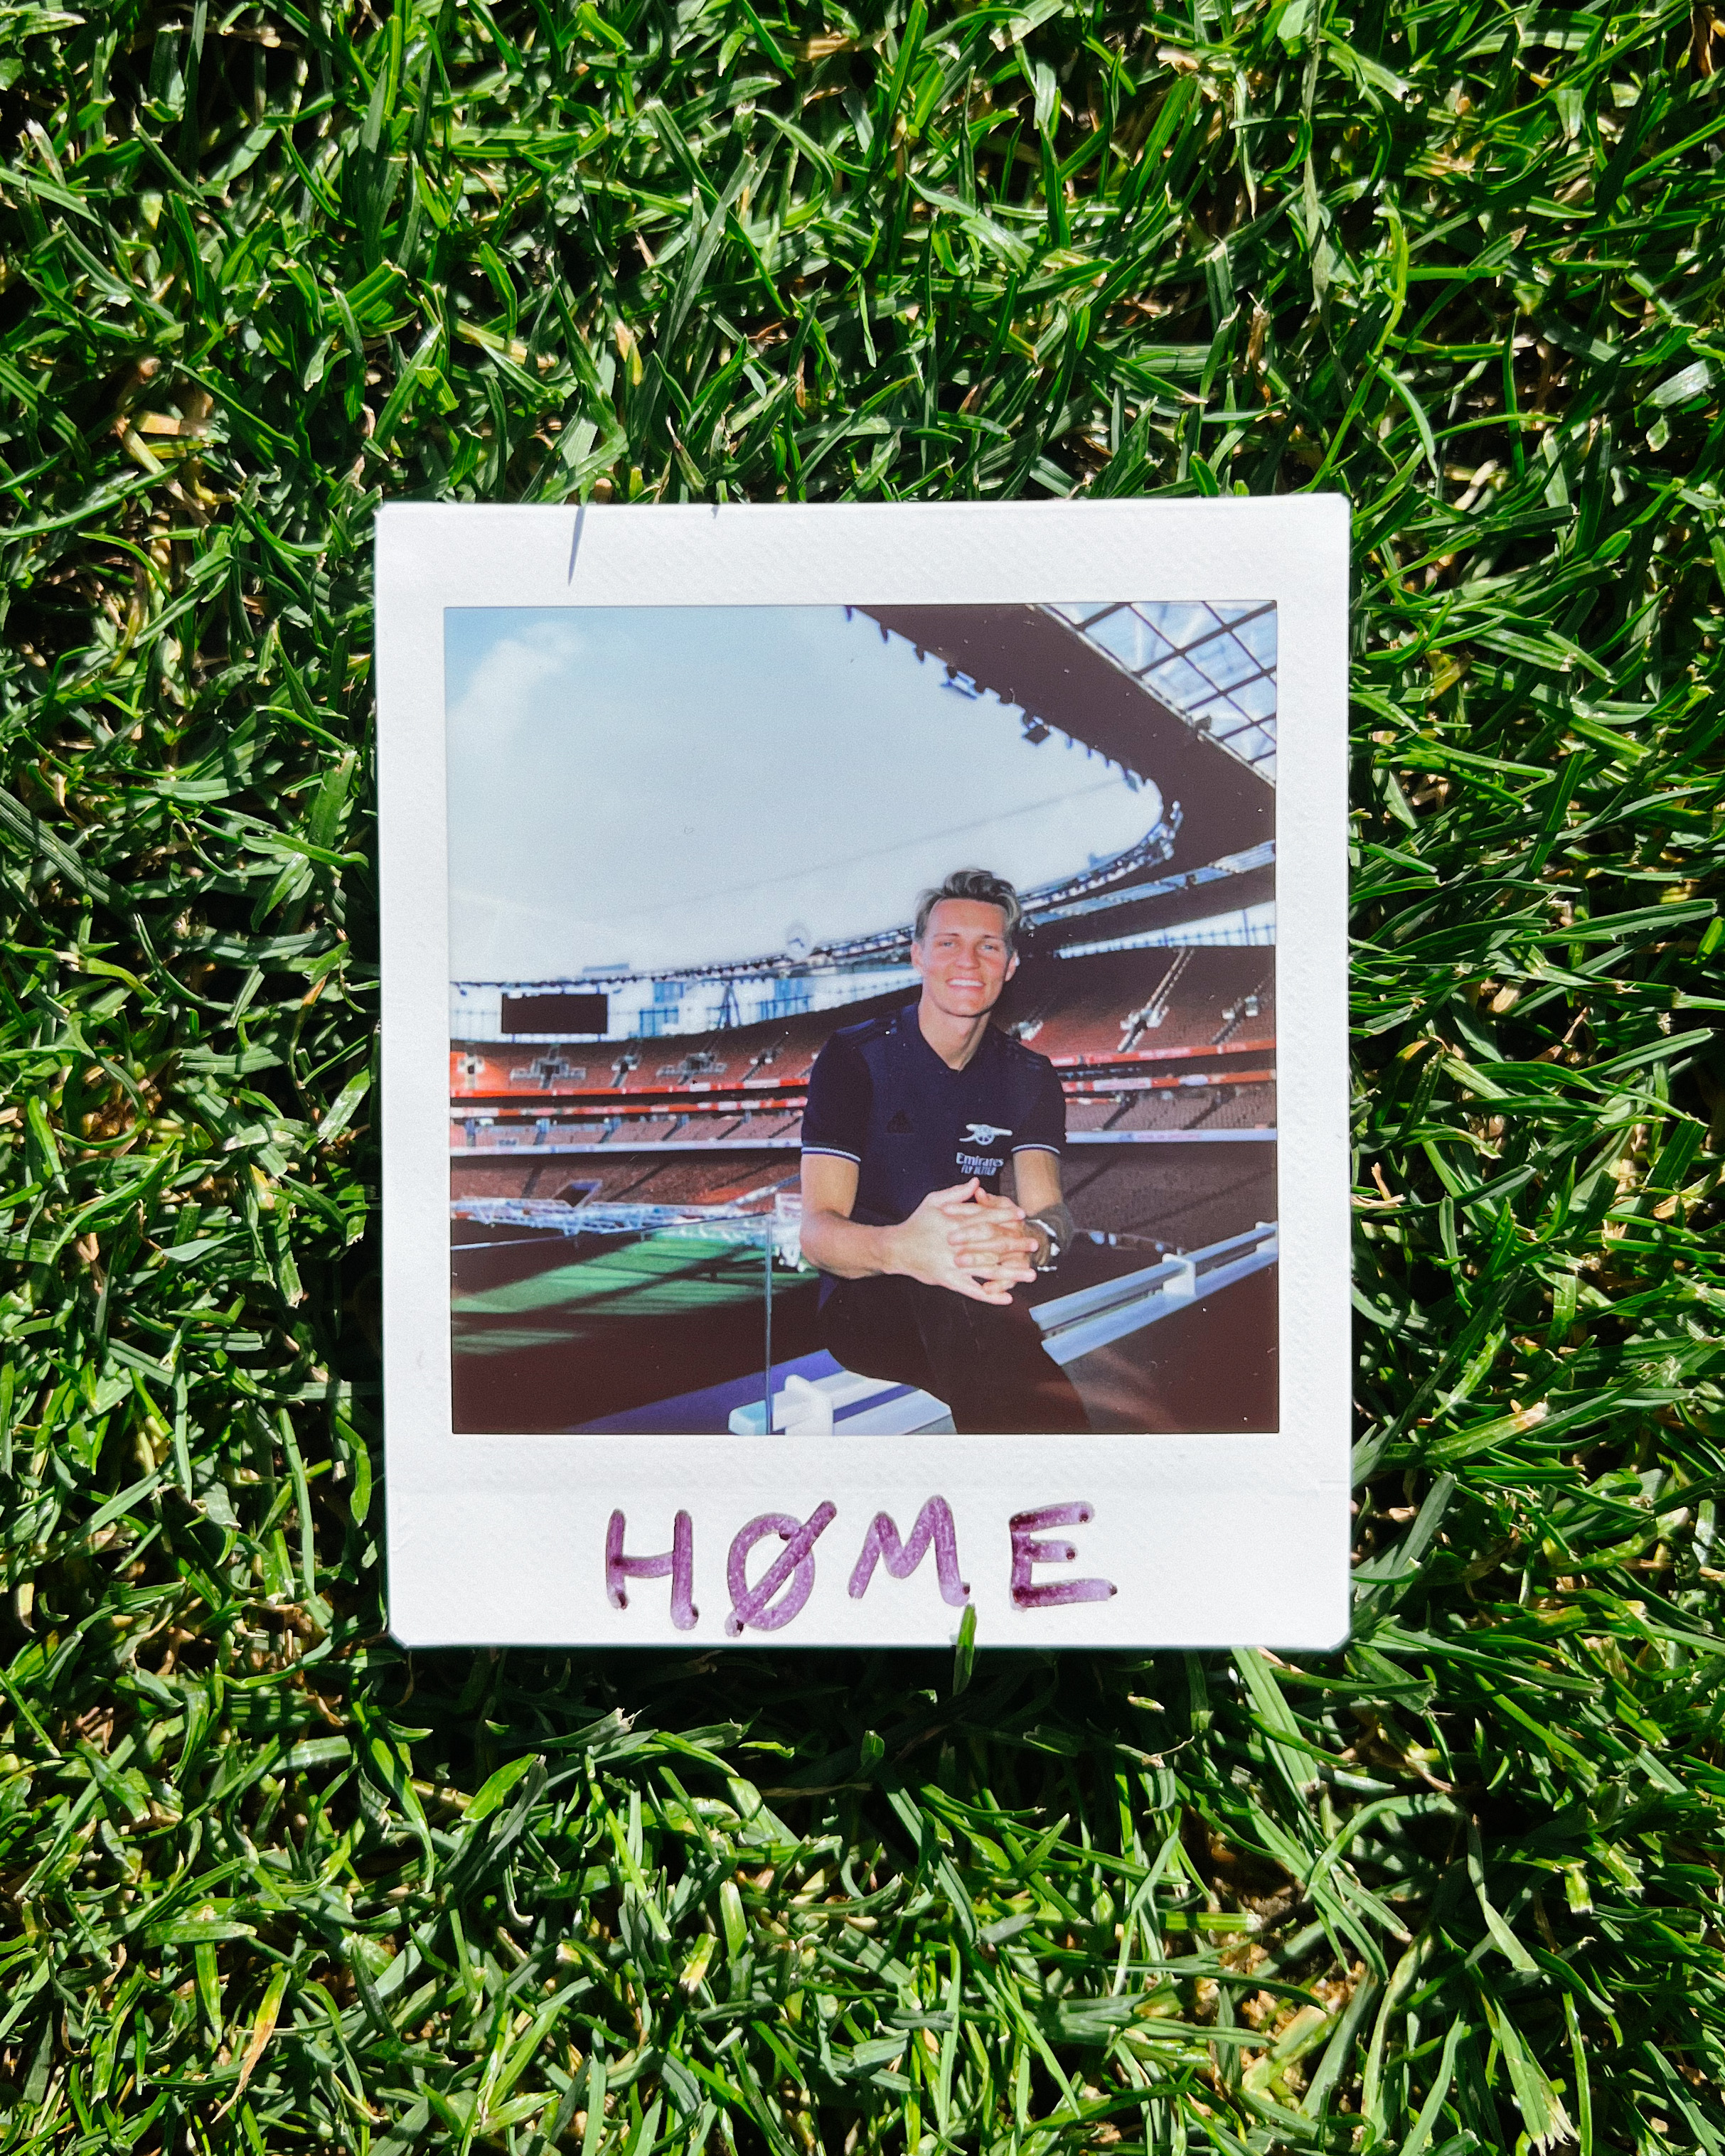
<point x="1154" y="687"/>
<point x="1118" y="879"/>
<point x="1215" y="665"/>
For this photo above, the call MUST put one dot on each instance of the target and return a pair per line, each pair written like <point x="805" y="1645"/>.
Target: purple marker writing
<point x="678" y="1563"/>
<point x="882" y="1545"/>
<point x="1029" y="1594"/>
<point x="793" y="1569"/>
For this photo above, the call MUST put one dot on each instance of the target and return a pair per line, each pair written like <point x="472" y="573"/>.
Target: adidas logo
<point x="899" y="1127"/>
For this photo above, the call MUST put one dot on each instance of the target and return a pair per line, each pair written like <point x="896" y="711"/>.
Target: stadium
<point x="624" y="1141"/>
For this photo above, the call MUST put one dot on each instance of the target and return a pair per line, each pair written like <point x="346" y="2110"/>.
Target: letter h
<point x="677" y="1564"/>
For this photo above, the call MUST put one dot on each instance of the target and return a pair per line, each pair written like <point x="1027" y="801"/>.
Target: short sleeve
<point x="1042" y="1129"/>
<point x="836" y="1120"/>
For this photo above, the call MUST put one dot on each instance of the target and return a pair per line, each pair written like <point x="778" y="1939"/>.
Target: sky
<point x="670" y="786"/>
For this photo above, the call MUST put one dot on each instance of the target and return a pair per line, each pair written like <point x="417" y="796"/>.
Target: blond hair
<point x="982" y="887"/>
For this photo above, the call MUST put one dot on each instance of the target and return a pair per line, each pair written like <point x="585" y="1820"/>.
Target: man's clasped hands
<point x="969" y="1241"/>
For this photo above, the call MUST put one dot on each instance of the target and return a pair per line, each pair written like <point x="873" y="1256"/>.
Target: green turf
<point x="270" y="1884"/>
<point x="658" y="1277"/>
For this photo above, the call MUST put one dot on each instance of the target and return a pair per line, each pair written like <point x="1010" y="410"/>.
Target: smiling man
<point x="911" y="1119"/>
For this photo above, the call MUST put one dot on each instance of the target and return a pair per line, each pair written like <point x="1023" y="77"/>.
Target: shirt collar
<point x="907" y="1026"/>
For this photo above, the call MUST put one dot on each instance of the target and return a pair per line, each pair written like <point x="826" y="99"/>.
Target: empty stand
<point x="642" y="1130"/>
<point x="776" y="1126"/>
<point x="1240" y="1108"/>
<point x="471" y="1175"/>
<point x="1151" y="1005"/>
<point x="1152" y="1044"/>
<point x="1175" y="1196"/>
<point x="1093" y="1113"/>
<point x="725" y="1179"/>
<point x="1187" y="1108"/>
<point x="1179" y="1196"/>
<point x="643" y="1178"/>
<point x="777" y="1053"/>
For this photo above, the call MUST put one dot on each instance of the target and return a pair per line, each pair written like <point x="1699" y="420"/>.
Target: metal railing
<point x="1073" y="1325"/>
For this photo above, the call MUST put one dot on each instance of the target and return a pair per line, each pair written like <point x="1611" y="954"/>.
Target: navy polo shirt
<point x="880" y="1096"/>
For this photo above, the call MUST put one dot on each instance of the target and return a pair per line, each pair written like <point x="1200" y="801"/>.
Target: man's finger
<point x="981" y="1269"/>
<point x="978" y="1292"/>
<point x="955" y="1194"/>
<point x="979" y="1205"/>
<point x="993" y="1246"/>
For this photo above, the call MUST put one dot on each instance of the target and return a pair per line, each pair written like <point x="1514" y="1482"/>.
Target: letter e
<point x="1028" y="1594"/>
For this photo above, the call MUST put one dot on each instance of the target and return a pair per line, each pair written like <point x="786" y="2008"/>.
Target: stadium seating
<point x="1092" y="1112"/>
<point x="1173" y="1110"/>
<point x="472" y="1175"/>
<point x="1213" y="1005"/>
<point x="778" y="1052"/>
<point x="723" y="1179"/>
<point x="474" y="1070"/>
<point x="1096" y="1009"/>
<point x="760" y="1057"/>
<point x="1243" y="1108"/>
<point x="641" y="1177"/>
<point x="1181" y="1197"/>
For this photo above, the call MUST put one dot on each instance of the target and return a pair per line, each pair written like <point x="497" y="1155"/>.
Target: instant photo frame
<point x="543" y="1497"/>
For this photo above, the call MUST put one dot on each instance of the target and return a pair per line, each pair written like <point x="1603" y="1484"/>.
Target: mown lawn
<point x="269" y="1883"/>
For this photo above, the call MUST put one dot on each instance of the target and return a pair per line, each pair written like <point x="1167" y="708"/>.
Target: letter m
<point x="933" y="1524"/>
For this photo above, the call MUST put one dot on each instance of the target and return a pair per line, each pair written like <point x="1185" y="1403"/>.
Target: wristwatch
<point x="1055" y="1246"/>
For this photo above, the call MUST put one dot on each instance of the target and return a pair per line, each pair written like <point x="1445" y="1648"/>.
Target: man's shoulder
<point x="856" y="1039"/>
<point x="1022" y="1061"/>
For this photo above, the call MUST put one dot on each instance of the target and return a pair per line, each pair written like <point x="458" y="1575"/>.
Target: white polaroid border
<point x="1207" y="1539"/>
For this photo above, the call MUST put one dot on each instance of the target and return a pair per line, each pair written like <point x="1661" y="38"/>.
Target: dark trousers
<point x="986" y="1360"/>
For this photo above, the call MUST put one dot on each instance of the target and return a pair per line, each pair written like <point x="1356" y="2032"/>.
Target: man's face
<point x="963" y="956"/>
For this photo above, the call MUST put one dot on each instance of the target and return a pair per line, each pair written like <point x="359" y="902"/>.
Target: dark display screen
<point x="556" y="1013"/>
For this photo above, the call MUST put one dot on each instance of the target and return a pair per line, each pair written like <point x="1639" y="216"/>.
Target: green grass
<point x="272" y="1884"/>
<point x="655" y="1276"/>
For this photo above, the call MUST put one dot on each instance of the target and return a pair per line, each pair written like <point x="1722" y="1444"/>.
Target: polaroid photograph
<point x="864" y="1046"/>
